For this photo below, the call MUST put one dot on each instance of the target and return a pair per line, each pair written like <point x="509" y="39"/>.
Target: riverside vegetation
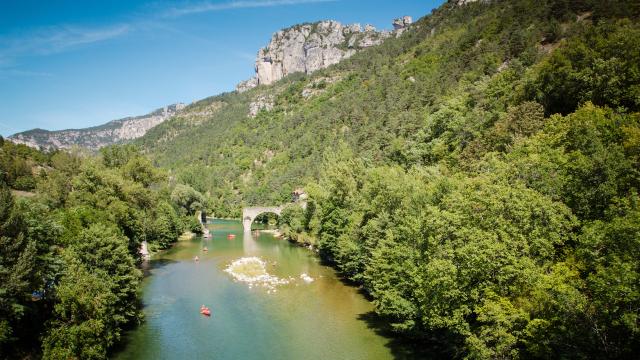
<point x="477" y="177"/>
<point x="69" y="276"/>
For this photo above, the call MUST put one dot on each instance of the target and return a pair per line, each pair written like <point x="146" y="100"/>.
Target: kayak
<point x="231" y="236"/>
<point x="205" y="312"/>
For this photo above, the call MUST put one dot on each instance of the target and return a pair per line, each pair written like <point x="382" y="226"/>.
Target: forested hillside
<point x="477" y="176"/>
<point x="382" y="103"/>
<point x="20" y="165"/>
<point x="69" y="250"/>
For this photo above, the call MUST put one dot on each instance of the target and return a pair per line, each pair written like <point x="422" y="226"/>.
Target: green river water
<point x="323" y="319"/>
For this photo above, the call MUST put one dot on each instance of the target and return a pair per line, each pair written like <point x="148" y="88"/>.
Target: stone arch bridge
<point x="249" y="214"/>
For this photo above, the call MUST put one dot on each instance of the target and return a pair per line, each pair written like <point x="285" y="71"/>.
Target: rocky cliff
<point x="309" y="47"/>
<point x="93" y="138"/>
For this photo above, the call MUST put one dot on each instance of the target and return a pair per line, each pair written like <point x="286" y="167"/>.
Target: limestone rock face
<point x="318" y="86"/>
<point x="262" y="102"/>
<point x="247" y="84"/>
<point x="310" y="47"/>
<point x="402" y="23"/>
<point x="94" y="138"/>
<point x="465" y="2"/>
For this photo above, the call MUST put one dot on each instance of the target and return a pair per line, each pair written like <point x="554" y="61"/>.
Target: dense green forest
<point x="17" y="162"/>
<point x="477" y="176"/>
<point x="69" y="274"/>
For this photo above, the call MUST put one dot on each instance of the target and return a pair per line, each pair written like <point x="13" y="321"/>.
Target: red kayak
<point x="205" y="311"/>
<point x="231" y="236"/>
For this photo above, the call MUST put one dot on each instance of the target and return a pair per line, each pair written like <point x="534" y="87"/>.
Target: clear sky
<point x="73" y="64"/>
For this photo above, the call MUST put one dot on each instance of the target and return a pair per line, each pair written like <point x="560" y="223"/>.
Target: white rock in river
<point x="306" y="278"/>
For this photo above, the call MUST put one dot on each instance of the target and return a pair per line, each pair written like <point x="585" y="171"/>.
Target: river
<point x="319" y="319"/>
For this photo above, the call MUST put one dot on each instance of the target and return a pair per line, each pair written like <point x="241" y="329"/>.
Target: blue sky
<point x="73" y="64"/>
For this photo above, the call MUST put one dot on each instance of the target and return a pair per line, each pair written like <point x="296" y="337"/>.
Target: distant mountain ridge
<point x="95" y="137"/>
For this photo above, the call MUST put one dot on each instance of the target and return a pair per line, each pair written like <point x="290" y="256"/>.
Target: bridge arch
<point x="249" y="214"/>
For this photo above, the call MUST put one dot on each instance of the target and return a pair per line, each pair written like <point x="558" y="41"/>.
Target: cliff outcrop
<point x="310" y="47"/>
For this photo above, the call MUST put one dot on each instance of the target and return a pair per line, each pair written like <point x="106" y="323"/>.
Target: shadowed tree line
<point x="69" y="276"/>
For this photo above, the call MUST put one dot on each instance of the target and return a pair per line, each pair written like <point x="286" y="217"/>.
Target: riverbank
<point x="187" y="235"/>
<point x="274" y="232"/>
<point x="249" y="320"/>
<point x="304" y="240"/>
<point x="149" y="250"/>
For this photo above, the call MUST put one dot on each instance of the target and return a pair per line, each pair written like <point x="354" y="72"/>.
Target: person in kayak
<point x="205" y="310"/>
